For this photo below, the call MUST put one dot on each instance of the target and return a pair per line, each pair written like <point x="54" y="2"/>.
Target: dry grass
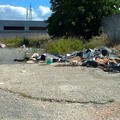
<point x="117" y="47"/>
<point x="31" y="41"/>
<point x="97" y="41"/>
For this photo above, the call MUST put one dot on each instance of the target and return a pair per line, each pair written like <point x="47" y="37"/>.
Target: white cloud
<point x="44" y="10"/>
<point x="12" y="12"/>
<point x="8" y="12"/>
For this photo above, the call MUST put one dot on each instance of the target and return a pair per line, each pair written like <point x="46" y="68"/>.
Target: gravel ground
<point x="46" y="92"/>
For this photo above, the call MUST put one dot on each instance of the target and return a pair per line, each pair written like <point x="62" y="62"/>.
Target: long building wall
<point x="7" y="26"/>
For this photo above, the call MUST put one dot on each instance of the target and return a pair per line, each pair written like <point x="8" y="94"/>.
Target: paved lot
<point x="45" y="92"/>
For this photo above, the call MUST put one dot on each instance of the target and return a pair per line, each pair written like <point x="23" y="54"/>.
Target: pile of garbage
<point x="104" y="58"/>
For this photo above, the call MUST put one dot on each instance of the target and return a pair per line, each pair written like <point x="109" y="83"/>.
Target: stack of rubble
<point x="105" y="58"/>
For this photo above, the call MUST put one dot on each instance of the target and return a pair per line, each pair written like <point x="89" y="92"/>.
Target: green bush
<point x="63" y="46"/>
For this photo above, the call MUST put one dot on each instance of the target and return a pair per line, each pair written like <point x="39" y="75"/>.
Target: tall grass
<point x="97" y="41"/>
<point x="69" y="45"/>
<point x="12" y="42"/>
<point x="29" y="42"/>
<point x="63" y="46"/>
<point x="58" y="45"/>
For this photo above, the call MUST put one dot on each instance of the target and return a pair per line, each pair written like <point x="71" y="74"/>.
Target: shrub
<point x="63" y="46"/>
<point x="25" y="42"/>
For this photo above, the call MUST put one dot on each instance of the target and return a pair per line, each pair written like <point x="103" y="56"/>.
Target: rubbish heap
<point x="104" y="58"/>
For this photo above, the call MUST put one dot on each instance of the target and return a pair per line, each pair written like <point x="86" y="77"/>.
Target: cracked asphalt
<point x="46" y="92"/>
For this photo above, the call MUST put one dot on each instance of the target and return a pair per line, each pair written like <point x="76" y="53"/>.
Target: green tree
<point x="79" y="17"/>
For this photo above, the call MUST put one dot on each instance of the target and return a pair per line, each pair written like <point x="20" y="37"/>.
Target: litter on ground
<point x="105" y="58"/>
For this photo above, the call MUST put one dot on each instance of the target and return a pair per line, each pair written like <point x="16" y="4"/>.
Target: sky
<point x="17" y="9"/>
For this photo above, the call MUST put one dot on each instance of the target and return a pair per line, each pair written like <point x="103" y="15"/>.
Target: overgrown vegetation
<point x="59" y="45"/>
<point x="12" y="42"/>
<point x="63" y="45"/>
<point x="97" y="41"/>
<point x="37" y="41"/>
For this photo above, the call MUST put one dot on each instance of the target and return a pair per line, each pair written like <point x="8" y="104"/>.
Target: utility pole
<point x="29" y="13"/>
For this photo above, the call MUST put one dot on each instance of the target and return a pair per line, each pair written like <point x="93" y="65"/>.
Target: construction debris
<point x="104" y="58"/>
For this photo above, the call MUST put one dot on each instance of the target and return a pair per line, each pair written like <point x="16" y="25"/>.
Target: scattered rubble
<point x="2" y="45"/>
<point x="104" y="58"/>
